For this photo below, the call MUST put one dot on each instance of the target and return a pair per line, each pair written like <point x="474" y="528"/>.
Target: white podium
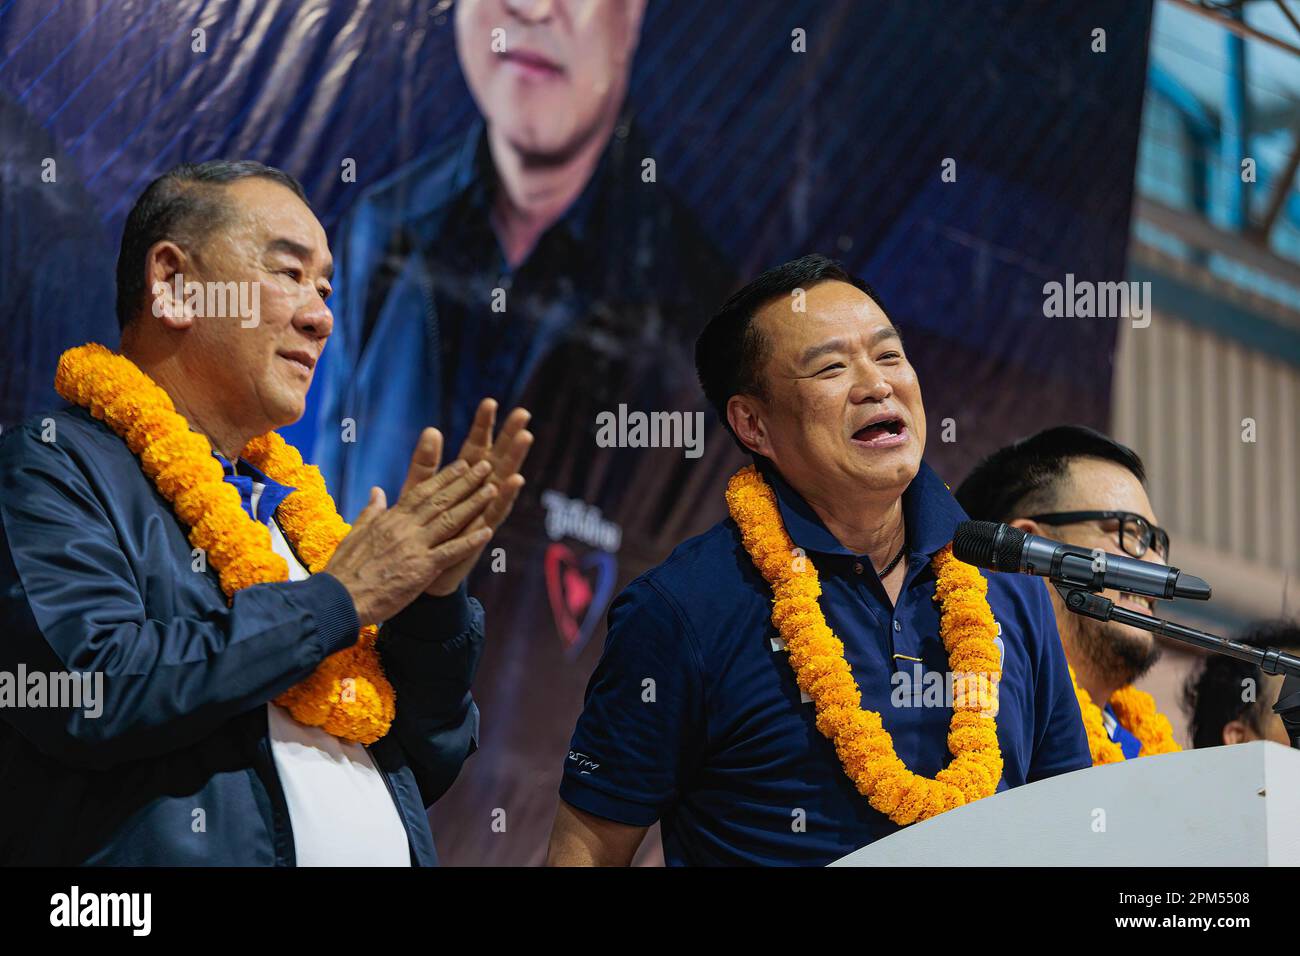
<point x="1224" y="806"/>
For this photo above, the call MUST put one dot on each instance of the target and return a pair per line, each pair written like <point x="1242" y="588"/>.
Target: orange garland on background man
<point x="1136" y="711"/>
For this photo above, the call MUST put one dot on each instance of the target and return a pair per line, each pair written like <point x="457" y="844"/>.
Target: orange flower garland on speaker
<point x="864" y="747"/>
<point x="347" y="695"/>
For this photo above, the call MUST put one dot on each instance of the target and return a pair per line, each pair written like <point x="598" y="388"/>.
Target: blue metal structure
<point x="1219" y="139"/>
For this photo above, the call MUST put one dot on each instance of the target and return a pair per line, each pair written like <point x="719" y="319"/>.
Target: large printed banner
<point x="959" y="156"/>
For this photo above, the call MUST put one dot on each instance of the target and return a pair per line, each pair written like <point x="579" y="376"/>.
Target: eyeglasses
<point x="1137" y="535"/>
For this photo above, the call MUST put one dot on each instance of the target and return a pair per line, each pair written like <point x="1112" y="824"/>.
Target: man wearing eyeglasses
<point x="1076" y="485"/>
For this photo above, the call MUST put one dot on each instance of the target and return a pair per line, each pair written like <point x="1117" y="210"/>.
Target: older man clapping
<point x="277" y="688"/>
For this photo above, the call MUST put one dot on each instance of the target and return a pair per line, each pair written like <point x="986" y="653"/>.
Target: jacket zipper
<point x="397" y="804"/>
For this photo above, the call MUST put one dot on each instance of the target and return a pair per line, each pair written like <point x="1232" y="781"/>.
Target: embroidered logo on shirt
<point x="584" y="763"/>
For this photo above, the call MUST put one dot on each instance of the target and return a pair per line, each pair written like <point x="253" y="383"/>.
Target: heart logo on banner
<point x="579" y="589"/>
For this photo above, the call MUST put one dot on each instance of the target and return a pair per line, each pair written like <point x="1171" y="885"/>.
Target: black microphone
<point x="1003" y="547"/>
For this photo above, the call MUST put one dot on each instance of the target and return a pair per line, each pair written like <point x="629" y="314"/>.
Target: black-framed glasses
<point x="1137" y="535"/>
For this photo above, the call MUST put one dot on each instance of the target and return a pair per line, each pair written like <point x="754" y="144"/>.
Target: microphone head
<point x="988" y="544"/>
<point x="1190" y="586"/>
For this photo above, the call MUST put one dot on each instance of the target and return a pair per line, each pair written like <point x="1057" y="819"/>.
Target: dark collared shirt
<point x="693" y="716"/>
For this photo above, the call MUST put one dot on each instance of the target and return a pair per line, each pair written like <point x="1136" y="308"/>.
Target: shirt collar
<point x="930" y="514"/>
<point x="243" y="475"/>
<point x="244" y="467"/>
<point x="473" y="160"/>
<point x="1109" y="721"/>
<point x="474" y="180"/>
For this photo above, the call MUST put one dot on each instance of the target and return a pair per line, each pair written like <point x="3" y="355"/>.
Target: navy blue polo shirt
<point x="693" y="717"/>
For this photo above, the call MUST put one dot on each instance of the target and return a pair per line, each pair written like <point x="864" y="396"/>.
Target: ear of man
<point x="1028" y="526"/>
<point x="164" y="261"/>
<point x="1237" y="732"/>
<point x="745" y="416"/>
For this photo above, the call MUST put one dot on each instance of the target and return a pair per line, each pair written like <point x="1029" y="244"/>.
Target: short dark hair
<point x="730" y="351"/>
<point x="1024" y="477"/>
<point x="1212" y="696"/>
<point x="185" y="203"/>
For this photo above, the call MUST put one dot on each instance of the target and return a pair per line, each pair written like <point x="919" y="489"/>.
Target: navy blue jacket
<point x="97" y="575"/>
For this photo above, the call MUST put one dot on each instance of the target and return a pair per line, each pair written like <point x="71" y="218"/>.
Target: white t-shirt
<point x="340" y="807"/>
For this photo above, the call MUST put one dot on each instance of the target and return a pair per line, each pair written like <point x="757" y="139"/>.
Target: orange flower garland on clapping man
<point x="864" y="747"/>
<point x="347" y="695"/>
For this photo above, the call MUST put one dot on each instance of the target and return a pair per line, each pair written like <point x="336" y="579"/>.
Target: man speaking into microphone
<point x="778" y="690"/>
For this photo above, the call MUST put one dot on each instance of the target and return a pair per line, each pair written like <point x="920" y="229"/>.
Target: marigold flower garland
<point x="1136" y="711"/>
<point x="347" y="695"/>
<point x="864" y="747"/>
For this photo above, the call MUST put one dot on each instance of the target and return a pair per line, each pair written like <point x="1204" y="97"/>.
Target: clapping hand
<point x="505" y="455"/>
